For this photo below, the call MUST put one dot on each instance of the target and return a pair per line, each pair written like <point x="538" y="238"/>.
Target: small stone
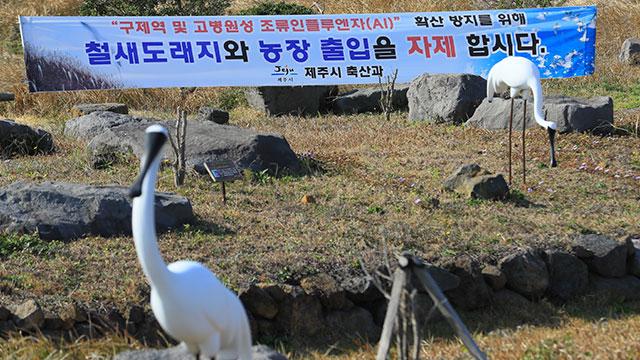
<point x="604" y="255"/>
<point x="84" y="109"/>
<point x="259" y="303"/>
<point x="473" y="181"/>
<point x="19" y="139"/>
<point x="300" y="314"/>
<point x="4" y="96"/>
<point x="210" y="114"/>
<point x="29" y="315"/>
<point x="308" y="199"/>
<point x="494" y="277"/>
<point x="634" y="260"/>
<point x="630" y="52"/>
<point x="7" y="327"/>
<point x="526" y="273"/>
<point x="507" y="299"/>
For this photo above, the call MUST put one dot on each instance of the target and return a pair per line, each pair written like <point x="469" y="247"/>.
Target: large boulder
<point x="290" y="100"/>
<point x="630" y="52"/>
<point x="84" y="109"/>
<point x="604" y="255"/>
<point x="568" y="275"/>
<point x="571" y="114"/>
<point x="473" y="181"/>
<point x="19" y="139"/>
<point x="63" y="211"/>
<point x="526" y="273"/>
<point x="109" y="133"/>
<point x="445" y="98"/>
<point x="368" y="100"/>
<point x="355" y="322"/>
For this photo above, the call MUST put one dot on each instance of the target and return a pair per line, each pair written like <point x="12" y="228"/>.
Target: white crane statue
<point x="187" y="299"/>
<point x="521" y="76"/>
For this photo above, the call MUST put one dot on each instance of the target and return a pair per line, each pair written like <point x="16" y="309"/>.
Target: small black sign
<point x="223" y="170"/>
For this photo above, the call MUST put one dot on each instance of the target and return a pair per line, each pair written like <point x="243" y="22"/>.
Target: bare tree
<point x="179" y="148"/>
<point x="387" y="89"/>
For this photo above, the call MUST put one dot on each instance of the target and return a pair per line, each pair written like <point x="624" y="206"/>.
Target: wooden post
<point x="224" y="193"/>
<point x="399" y="281"/>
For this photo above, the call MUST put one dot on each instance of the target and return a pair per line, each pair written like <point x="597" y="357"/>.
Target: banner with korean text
<point x="81" y="53"/>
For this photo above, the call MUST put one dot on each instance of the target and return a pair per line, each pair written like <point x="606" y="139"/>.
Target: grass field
<point x="373" y="174"/>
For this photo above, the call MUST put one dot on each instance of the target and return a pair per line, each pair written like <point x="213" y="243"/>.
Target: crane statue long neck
<point x="536" y="90"/>
<point x="143" y="217"/>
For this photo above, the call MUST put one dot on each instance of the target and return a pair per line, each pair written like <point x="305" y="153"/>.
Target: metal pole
<point x="510" y="131"/>
<point x="524" y="159"/>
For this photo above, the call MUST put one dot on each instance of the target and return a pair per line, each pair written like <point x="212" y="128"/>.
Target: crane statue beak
<point x="156" y="137"/>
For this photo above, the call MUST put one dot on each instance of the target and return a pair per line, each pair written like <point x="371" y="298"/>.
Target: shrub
<point x="270" y="7"/>
<point x="517" y="4"/>
<point x="153" y="7"/>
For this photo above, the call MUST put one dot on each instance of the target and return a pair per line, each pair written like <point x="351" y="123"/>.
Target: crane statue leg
<point x="510" y="132"/>
<point x="524" y="161"/>
<point x="552" y="141"/>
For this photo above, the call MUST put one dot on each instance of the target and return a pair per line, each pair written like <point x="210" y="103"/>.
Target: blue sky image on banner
<point x="83" y="53"/>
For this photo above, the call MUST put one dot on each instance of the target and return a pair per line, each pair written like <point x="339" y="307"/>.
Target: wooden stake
<point x="224" y="194"/>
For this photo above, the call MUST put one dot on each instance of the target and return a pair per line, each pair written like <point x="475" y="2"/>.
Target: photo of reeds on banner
<point x="81" y="53"/>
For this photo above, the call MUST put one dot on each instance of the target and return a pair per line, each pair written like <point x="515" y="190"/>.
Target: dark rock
<point x="85" y="109"/>
<point x="494" y="277"/>
<point x="450" y="98"/>
<point x="299" y="314"/>
<point x="568" y="275"/>
<point x="210" y="114"/>
<point x="73" y="312"/>
<point x="290" y="100"/>
<point x="473" y="292"/>
<point x="259" y="303"/>
<point x="326" y="288"/>
<point x="109" y="133"/>
<point x="53" y="321"/>
<point x="28" y="315"/>
<point x="5" y="314"/>
<point x="475" y="182"/>
<point x="7" y="96"/>
<point x="7" y="326"/>
<point x="63" y="211"/>
<point x="445" y="280"/>
<point x="634" y="260"/>
<point x="368" y="100"/>
<point x="180" y="352"/>
<point x="355" y="322"/>
<point x="630" y="52"/>
<point x="526" y="273"/>
<point x="507" y="299"/>
<point x="136" y="314"/>
<point x="19" y="139"/>
<point x="378" y="310"/>
<point x="361" y="290"/>
<point x="88" y="330"/>
<point x="570" y="114"/>
<point x="462" y="174"/>
<point x="604" y="255"/>
<point x="614" y="290"/>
